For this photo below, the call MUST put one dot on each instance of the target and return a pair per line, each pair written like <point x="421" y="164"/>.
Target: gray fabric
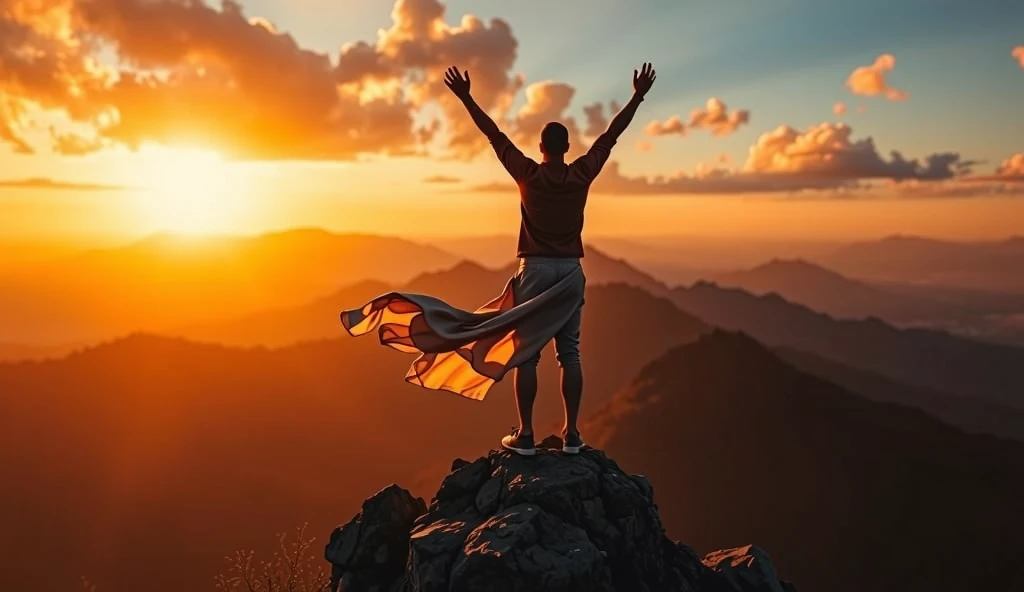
<point x="537" y="274"/>
<point x="467" y="352"/>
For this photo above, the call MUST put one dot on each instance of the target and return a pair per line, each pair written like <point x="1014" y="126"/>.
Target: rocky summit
<point x="551" y="522"/>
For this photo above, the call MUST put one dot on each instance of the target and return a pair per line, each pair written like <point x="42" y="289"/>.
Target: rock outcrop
<point x="552" y="522"/>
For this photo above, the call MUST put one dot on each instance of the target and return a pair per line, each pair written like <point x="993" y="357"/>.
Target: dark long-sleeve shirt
<point x="553" y="196"/>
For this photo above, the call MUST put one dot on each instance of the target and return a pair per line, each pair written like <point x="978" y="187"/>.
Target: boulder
<point x="551" y="522"/>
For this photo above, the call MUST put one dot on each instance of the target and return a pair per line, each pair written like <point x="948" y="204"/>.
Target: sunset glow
<point x="273" y="263"/>
<point x="358" y="129"/>
<point x="190" y="191"/>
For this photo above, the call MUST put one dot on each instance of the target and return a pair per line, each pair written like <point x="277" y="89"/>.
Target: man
<point x="553" y="195"/>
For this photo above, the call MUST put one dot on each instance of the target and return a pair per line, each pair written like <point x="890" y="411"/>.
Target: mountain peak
<point x="543" y="523"/>
<point x="784" y="270"/>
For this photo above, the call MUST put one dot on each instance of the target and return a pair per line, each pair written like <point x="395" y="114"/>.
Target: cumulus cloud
<point x="546" y="101"/>
<point x="828" y="150"/>
<point x="1018" y="53"/>
<point x="1010" y="171"/>
<point x="839" y="109"/>
<point x="871" y="80"/>
<point x="715" y="117"/>
<point x="1012" y="167"/>
<point x="182" y="71"/>
<point x="822" y="157"/>
<point x="595" y="118"/>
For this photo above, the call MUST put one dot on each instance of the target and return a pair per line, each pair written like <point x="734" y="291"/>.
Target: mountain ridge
<point x="852" y="494"/>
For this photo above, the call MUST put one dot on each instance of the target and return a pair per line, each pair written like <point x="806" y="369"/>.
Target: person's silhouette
<point x="553" y="196"/>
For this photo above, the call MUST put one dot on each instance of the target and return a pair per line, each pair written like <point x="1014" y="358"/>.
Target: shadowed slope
<point x="214" y="447"/>
<point x="971" y="414"/>
<point x="847" y="493"/>
<point x="931" y="359"/>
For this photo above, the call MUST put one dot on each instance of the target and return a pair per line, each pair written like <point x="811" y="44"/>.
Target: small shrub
<point x="292" y="568"/>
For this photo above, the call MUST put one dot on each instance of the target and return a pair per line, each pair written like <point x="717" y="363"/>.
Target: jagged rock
<point x="746" y="569"/>
<point x="552" y="522"/>
<point x="370" y="551"/>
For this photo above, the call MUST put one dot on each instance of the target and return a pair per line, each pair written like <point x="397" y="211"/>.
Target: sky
<point x="781" y="118"/>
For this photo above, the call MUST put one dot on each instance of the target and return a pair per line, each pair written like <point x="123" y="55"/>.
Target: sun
<point x="190" y="191"/>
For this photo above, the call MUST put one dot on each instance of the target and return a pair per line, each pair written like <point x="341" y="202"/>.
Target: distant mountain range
<point x="166" y="281"/>
<point x="971" y="414"/>
<point x="466" y="284"/>
<point x="994" y="266"/>
<point x="921" y="361"/>
<point x="179" y="452"/>
<point x="216" y="446"/>
<point x="826" y="291"/>
<point x="849" y="494"/>
<point x="930" y="359"/>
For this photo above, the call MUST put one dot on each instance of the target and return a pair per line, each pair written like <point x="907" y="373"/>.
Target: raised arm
<point x="591" y="163"/>
<point x="458" y="83"/>
<point x="642" y="82"/>
<point x="518" y="165"/>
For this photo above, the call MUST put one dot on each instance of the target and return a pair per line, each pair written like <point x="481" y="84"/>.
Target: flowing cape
<point x="461" y="351"/>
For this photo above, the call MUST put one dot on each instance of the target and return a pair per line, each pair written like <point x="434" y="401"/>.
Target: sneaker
<point x="521" y="444"/>
<point x="572" y="443"/>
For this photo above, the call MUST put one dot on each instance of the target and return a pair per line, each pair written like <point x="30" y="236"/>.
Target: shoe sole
<point x="571" y="449"/>
<point x="520" y="451"/>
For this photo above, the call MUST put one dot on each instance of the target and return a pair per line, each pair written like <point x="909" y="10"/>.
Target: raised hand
<point x="642" y="80"/>
<point x="456" y="82"/>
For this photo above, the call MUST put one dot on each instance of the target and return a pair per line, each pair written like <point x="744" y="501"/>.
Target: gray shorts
<point x="537" y="274"/>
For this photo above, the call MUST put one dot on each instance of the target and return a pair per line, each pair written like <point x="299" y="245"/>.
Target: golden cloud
<point x="185" y="72"/>
<point x="871" y="80"/>
<point x="786" y="160"/>
<point x="715" y="117"/>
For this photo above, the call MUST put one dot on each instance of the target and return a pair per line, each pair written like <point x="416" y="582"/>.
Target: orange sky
<point x="356" y="132"/>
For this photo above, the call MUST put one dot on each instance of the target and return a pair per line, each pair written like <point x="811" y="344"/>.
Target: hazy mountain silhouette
<point x="151" y="452"/>
<point x="166" y="281"/>
<point x="14" y="352"/>
<point x="992" y="265"/>
<point x="847" y="493"/>
<point x="971" y="414"/>
<point x="673" y="259"/>
<point x="824" y="290"/>
<point x="466" y="284"/>
<point x="931" y="359"/>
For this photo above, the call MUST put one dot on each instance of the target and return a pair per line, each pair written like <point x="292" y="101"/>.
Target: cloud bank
<point x="185" y="72"/>
<point x="824" y="158"/>
<point x="85" y="75"/>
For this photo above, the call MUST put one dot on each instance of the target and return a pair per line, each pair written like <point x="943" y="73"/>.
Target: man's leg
<point x="530" y="281"/>
<point x="567" y="349"/>
<point x="526" y="393"/>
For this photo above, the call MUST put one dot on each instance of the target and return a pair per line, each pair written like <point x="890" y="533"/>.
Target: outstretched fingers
<point x="453" y="74"/>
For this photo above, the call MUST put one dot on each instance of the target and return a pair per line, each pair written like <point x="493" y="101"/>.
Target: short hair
<point x="555" y="138"/>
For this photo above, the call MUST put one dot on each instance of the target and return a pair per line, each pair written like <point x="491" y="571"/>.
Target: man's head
<point x="554" y="140"/>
